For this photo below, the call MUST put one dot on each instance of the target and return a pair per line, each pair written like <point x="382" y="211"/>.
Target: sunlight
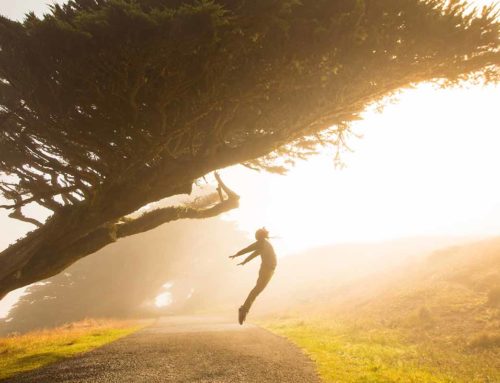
<point x="118" y="117"/>
<point x="163" y="299"/>
<point x="9" y="300"/>
<point x="431" y="154"/>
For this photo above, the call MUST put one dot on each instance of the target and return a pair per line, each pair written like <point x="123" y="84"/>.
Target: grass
<point x="435" y="322"/>
<point x="345" y="353"/>
<point x="29" y="351"/>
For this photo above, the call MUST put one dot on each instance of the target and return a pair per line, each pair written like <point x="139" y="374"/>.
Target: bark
<point x="26" y="263"/>
<point x="85" y="228"/>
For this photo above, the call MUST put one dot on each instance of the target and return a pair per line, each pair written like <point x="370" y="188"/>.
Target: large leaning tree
<point x="108" y="105"/>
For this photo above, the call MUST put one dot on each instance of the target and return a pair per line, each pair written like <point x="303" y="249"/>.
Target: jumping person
<point x="263" y="248"/>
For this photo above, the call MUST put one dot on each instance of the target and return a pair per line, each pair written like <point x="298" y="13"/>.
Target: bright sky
<point x="16" y="9"/>
<point x="427" y="165"/>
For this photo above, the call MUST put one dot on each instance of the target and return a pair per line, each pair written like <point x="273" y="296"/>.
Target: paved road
<point x="187" y="350"/>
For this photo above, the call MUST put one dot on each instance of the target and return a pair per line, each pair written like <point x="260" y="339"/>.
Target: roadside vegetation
<point x="19" y="353"/>
<point x="345" y="353"/>
<point x="438" y="322"/>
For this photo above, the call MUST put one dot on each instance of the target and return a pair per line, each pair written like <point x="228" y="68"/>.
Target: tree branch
<point x="158" y="217"/>
<point x="17" y="214"/>
<point x="34" y="267"/>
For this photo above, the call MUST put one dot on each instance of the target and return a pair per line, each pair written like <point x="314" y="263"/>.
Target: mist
<point x="183" y="269"/>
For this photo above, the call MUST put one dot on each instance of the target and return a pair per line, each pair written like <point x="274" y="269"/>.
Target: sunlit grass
<point x="36" y="349"/>
<point x="437" y="322"/>
<point x="344" y="353"/>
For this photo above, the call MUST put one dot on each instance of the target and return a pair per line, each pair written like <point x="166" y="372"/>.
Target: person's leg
<point x="265" y="276"/>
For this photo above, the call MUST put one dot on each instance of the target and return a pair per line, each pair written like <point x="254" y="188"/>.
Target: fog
<point x="183" y="268"/>
<point x="412" y="174"/>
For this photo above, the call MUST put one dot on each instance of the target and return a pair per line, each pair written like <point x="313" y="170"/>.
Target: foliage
<point x="108" y="105"/>
<point x="99" y="91"/>
<point x="486" y="341"/>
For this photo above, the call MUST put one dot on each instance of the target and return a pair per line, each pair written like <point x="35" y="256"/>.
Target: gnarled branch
<point x="34" y="267"/>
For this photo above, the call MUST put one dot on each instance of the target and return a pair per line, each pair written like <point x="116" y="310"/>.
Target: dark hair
<point x="261" y="233"/>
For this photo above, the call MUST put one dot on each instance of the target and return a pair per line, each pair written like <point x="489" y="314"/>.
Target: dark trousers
<point x="265" y="275"/>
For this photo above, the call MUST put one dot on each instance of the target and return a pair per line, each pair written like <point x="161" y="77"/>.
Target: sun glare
<point x="426" y="165"/>
<point x="163" y="299"/>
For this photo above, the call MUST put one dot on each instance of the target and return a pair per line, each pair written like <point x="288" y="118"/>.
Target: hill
<point x="433" y="319"/>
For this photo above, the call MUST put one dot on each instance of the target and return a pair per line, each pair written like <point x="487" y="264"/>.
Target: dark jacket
<point x="265" y="250"/>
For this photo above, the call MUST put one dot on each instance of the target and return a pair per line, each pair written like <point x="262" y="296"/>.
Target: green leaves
<point x="148" y="84"/>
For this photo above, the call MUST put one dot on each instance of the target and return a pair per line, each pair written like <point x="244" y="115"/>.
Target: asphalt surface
<point x="185" y="349"/>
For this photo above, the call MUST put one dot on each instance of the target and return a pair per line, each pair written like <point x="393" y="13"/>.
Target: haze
<point x="426" y="166"/>
<point x="389" y="265"/>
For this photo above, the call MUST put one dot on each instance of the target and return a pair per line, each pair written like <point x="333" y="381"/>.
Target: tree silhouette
<point x="108" y="105"/>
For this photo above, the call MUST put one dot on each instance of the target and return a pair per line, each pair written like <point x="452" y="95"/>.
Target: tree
<point x="108" y="105"/>
<point x="181" y="253"/>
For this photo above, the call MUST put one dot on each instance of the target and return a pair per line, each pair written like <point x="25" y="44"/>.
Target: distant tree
<point x="108" y="105"/>
<point x="123" y="280"/>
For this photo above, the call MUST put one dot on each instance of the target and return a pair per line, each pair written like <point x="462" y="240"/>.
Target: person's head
<point x="261" y="234"/>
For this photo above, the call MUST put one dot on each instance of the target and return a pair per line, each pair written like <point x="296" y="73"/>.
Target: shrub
<point x="494" y="297"/>
<point x="485" y="341"/>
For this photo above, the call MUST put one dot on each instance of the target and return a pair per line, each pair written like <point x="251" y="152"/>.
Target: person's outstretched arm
<point x="249" y="258"/>
<point x="252" y="247"/>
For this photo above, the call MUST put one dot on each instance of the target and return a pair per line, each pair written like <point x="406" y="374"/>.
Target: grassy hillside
<point x="334" y="271"/>
<point x="437" y="320"/>
<point x="39" y="348"/>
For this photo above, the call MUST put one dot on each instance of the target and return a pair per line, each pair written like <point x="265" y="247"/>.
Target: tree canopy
<point x="108" y="105"/>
